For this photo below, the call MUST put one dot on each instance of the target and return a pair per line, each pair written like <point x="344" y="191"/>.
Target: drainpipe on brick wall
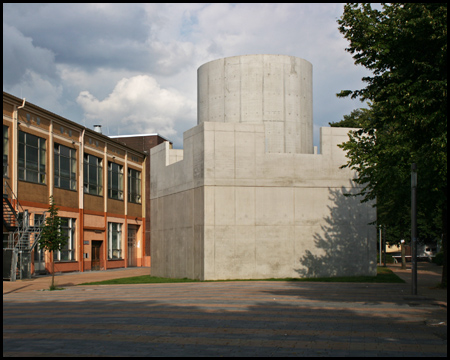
<point x="15" y="167"/>
<point x="81" y="199"/>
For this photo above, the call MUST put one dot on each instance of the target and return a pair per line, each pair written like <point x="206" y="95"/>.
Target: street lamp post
<point x="414" y="228"/>
<point x="379" y="228"/>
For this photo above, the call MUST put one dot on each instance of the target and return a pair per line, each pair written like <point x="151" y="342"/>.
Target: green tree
<point x="357" y="119"/>
<point x="392" y="211"/>
<point x="404" y="45"/>
<point x="51" y="236"/>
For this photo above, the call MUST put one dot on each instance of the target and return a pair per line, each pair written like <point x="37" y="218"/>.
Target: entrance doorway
<point x="39" y="254"/>
<point x="132" y="249"/>
<point x="39" y="261"/>
<point x="96" y="255"/>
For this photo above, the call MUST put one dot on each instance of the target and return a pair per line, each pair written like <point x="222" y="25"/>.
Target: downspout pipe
<point x="23" y="104"/>
<point x="15" y="183"/>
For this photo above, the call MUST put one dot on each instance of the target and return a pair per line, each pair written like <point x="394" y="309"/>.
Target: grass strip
<point x="143" y="279"/>
<point x="384" y="275"/>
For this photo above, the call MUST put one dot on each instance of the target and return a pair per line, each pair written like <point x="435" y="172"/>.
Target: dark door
<point x="132" y="236"/>
<point x="96" y="247"/>
<point x="39" y="261"/>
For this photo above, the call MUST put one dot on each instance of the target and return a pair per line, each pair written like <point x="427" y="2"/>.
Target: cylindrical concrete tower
<point x="275" y="90"/>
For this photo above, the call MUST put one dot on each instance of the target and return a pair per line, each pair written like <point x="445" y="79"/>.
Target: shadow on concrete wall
<point x="344" y="244"/>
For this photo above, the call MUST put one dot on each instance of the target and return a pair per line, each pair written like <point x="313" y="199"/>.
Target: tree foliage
<point x="52" y="239"/>
<point x="404" y="45"/>
<point x="358" y="118"/>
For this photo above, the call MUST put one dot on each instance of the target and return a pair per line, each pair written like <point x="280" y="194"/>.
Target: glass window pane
<point x="21" y="156"/>
<point x="73" y="168"/>
<point x="42" y="157"/>
<point x="92" y="174"/>
<point x="31" y="158"/>
<point x="64" y="183"/>
<point x="32" y="140"/>
<point x="65" y="167"/>
<point x="114" y="181"/>
<point x="64" y="151"/>
<point x="42" y="143"/>
<point x="32" y="176"/>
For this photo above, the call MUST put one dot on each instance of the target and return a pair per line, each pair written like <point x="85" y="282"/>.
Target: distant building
<point x="97" y="183"/>
<point x="144" y="143"/>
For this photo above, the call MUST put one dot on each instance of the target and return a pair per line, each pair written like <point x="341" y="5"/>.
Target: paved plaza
<point x="241" y="318"/>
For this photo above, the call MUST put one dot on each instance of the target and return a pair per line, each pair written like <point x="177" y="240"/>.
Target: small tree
<point x="51" y="237"/>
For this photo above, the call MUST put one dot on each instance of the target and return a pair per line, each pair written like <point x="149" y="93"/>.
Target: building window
<point x="93" y="175"/>
<point x="134" y="186"/>
<point x="114" y="241"/>
<point x="115" y="181"/>
<point x="5" y="150"/>
<point x="67" y="253"/>
<point x="31" y="158"/>
<point x="65" y="167"/>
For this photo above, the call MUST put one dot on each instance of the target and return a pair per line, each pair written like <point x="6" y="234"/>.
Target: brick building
<point x="96" y="182"/>
<point x="144" y="143"/>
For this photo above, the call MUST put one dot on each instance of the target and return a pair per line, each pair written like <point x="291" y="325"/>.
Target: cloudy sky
<point x="133" y="67"/>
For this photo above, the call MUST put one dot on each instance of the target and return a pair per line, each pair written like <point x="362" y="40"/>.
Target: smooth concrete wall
<point x="272" y="89"/>
<point x="230" y="210"/>
<point x="177" y="205"/>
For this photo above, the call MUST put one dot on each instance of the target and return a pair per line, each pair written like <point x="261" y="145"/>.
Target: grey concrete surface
<point x="248" y="197"/>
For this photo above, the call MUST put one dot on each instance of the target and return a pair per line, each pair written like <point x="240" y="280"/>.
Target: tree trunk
<point x="53" y="271"/>
<point x="403" y="256"/>
<point x="444" y="241"/>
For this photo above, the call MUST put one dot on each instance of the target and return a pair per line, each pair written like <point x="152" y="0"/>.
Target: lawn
<point x="384" y="275"/>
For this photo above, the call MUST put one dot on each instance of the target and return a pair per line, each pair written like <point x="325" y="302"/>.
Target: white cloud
<point x="20" y="55"/>
<point x="99" y="82"/>
<point x="39" y="90"/>
<point x="87" y="56"/>
<point x="173" y="56"/>
<point x="139" y="105"/>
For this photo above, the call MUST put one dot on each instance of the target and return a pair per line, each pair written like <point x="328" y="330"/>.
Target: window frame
<point x="115" y="246"/>
<point x="69" y="230"/>
<point x="134" y="183"/>
<point x="72" y="158"/>
<point x="25" y="165"/>
<point x="115" y="188"/>
<point x="88" y="184"/>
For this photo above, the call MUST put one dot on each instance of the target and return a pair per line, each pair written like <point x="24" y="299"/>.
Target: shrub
<point x="439" y="258"/>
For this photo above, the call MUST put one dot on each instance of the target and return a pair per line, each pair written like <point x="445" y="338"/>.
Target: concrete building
<point x="248" y="197"/>
<point x="96" y="182"/>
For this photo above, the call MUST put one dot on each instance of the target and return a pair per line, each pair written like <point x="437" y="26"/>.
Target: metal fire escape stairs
<point x="22" y="237"/>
